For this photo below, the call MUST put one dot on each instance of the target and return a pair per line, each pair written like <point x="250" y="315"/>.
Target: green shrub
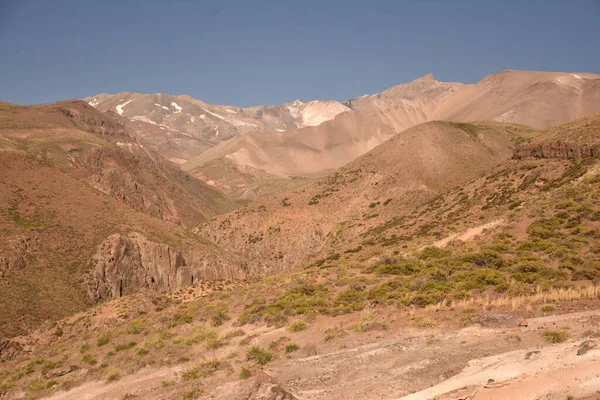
<point x="141" y="351"/>
<point x="48" y="365"/>
<point x="113" y="376"/>
<point x="84" y="347"/>
<point x="192" y="393"/>
<point x="432" y="252"/>
<point x="485" y="259"/>
<point x="244" y="373"/>
<point x="423" y="321"/>
<point x="401" y="267"/>
<point x="297" y="326"/>
<point x="219" y="317"/>
<point x="290" y="348"/>
<point x="39" y="385"/>
<point x="258" y="355"/>
<point x="125" y="346"/>
<point x="103" y="339"/>
<point x="348" y="301"/>
<point x="135" y="327"/>
<point x="481" y="279"/>
<point x="88" y="358"/>
<point x="202" y="370"/>
<point x="547" y="308"/>
<point x="556" y="335"/>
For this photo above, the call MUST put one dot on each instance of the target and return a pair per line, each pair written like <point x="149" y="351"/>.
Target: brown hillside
<point x="414" y="166"/>
<point x="99" y="150"/>
<point x="537" y="99"/>
<point x="86" y="215"/>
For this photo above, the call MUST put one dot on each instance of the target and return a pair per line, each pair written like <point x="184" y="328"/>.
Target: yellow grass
<point x="519" y="302"/>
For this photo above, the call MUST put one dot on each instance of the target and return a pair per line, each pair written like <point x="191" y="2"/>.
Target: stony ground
<point x="440" y="354"/>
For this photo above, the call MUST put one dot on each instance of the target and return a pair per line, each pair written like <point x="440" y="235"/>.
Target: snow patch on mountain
<point x="143" y="119"/>
<point x="233" y="122"/>
<point x="316" y="112"/>
<point x="177" y="107"/>
<point x="119" y="108"/>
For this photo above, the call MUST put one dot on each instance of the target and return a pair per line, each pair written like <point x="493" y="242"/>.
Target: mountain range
<point x="418" y="242"/>
<point x="258" y="146"/>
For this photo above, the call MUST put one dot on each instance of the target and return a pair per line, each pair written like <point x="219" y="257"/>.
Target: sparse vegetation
<point x="192" y="393"/>
<point x="258" y="355"/>
<point x="136" y="327"/>
<point x="103" y="339"/>
<point x="202" y="370"/>
<point x="125" y="346"/>
<point x="113" y="376"/>
<point x="297" y="326"/>
<point x="244" y="373"/>
<point x="555" y="335"/>
<point x="292" y="347"/>
<point x="546" y="308"/>
<point x="424" y="321"/>
<point x="89" y="359"/>
<point x="36" y="386"/>
<point x="370" y="320"/>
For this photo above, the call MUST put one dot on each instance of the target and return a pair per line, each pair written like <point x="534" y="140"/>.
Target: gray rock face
<point x="127" y="264"/>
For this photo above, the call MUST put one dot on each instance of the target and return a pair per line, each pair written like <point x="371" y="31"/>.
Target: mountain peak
<point x="426" y="77"/>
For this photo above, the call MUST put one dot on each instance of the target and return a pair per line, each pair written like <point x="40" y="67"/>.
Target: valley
<point x="436" y="240"/>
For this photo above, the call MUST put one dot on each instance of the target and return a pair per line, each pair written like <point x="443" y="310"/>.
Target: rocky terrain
<point x="72" y="179"/>
<point x="408" y="257"/>
<point x="415" y="166"/>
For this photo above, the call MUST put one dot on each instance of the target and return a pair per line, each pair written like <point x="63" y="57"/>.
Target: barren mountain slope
<point x="181" y="127"/>
<point x="99" y="150"/>
<point x="513" y="312"/>
<point x="81" y="204"/>
<point x="284" y="231"/>
<point x="537" y="99"/>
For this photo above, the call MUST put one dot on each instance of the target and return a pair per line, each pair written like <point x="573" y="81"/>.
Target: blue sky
<point x="266" y="52"/>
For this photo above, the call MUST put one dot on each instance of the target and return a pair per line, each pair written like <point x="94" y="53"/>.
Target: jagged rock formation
<point x="127" y="264"/>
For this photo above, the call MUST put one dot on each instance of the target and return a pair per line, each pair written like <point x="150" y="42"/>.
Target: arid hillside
<point x="536" y="99"/>
<point x="416" y="165"/>
<point x="99" y="150"/>
<point x="87" y="214"/>
<point x="486" y="291"/>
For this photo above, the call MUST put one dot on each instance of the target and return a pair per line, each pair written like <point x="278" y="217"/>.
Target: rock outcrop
<point x="8" y="350"/>
<point x="556" y="149"/>
<point x="127" y="264"/>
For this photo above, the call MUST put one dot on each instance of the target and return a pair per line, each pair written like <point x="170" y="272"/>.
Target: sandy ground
<point x="403" y="362"/>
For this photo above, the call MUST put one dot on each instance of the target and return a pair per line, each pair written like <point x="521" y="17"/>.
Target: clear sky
<point x="273" y="51"/>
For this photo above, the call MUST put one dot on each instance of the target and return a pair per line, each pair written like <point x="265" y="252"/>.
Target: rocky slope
<point x="285" y="231"/>
<point x="99" y="150"/>
<point x="73" y="178"/>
